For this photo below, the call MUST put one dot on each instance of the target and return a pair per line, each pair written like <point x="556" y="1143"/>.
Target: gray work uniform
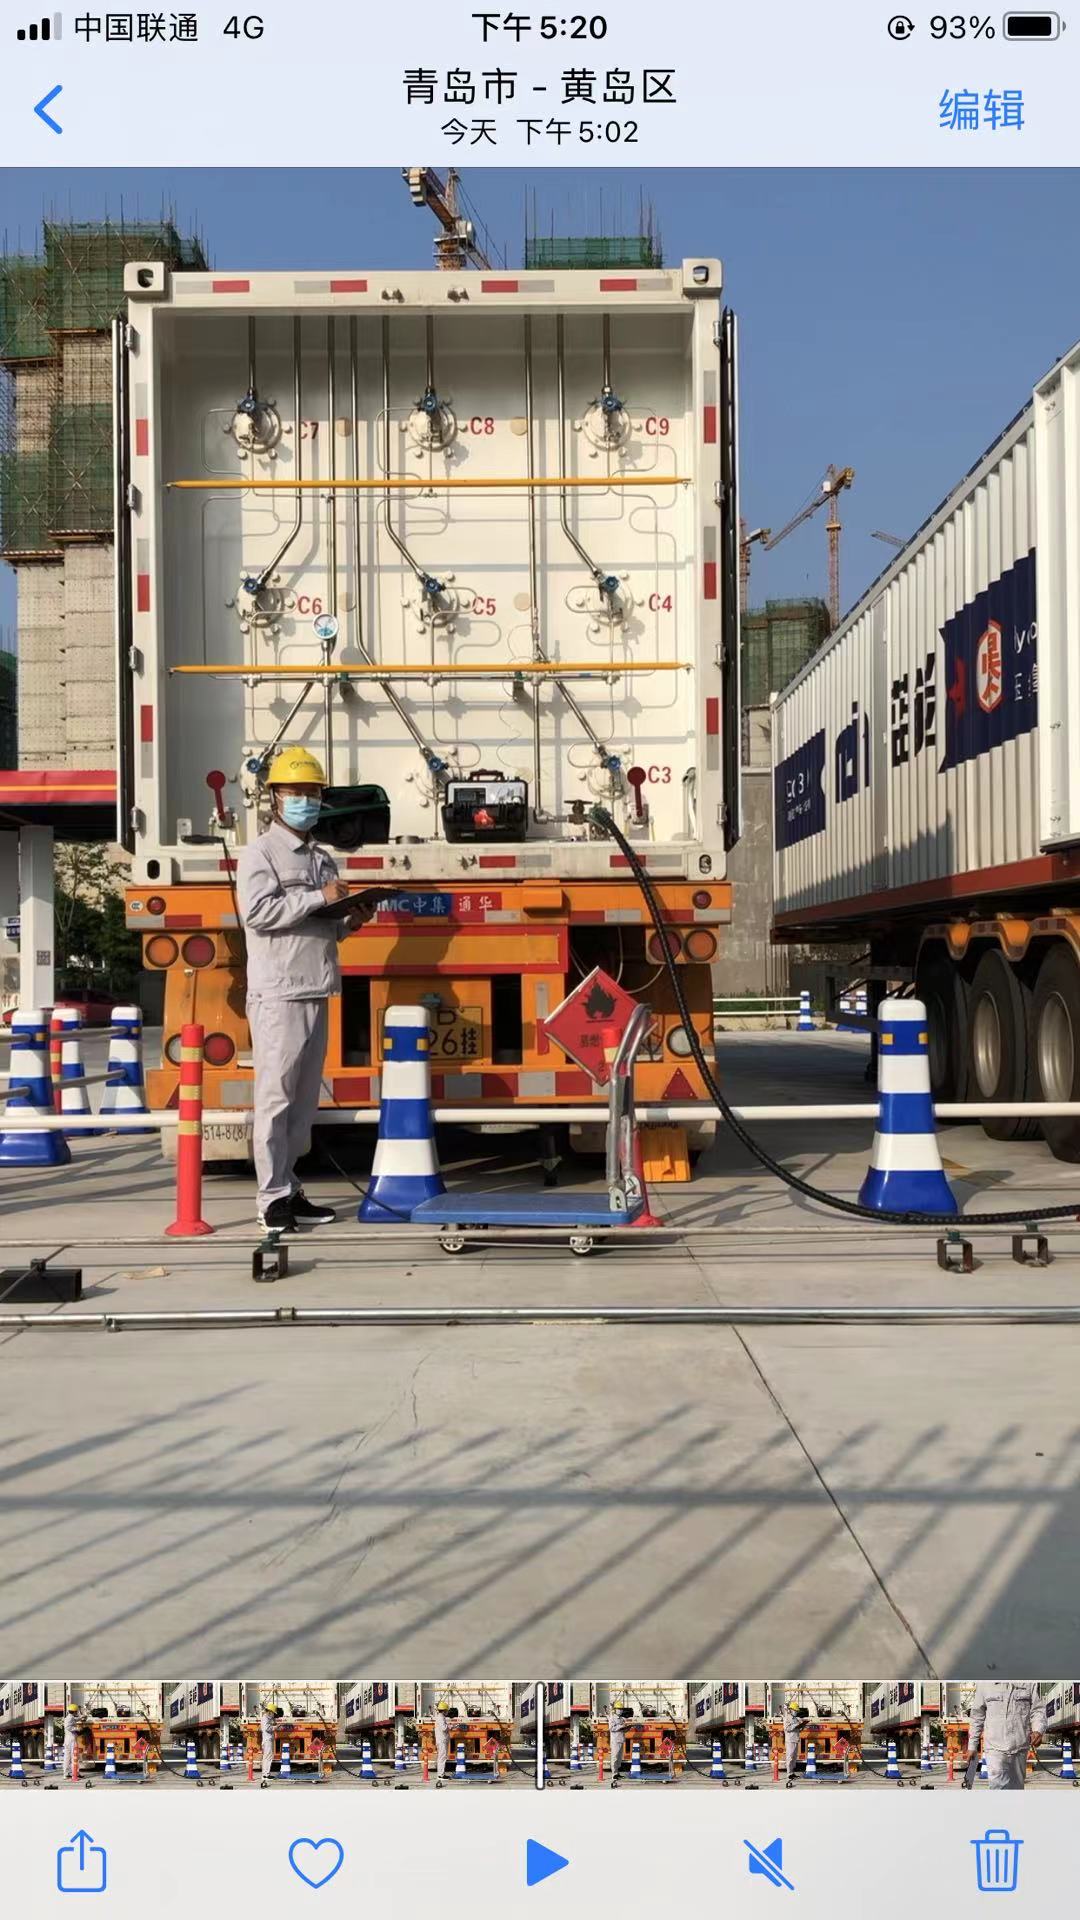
<point x="71" y="1724"/>
<point x="292" y="969"/>
<point x="1010" y="1717"/>
<point x="617" y="1738"/>
<point x="442" y="1743"/>
<point x="266" y="1729"/>
<point x="793" y="1727"/>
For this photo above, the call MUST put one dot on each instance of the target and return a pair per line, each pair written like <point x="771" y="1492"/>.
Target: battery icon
<point x="1032" y="26"/>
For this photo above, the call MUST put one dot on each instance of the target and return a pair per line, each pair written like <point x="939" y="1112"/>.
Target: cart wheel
<point x="581" y="1243"/>
<point x="452" y="1242"/>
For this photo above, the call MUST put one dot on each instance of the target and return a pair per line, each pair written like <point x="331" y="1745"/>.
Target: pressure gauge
<point x="326" y="627"/>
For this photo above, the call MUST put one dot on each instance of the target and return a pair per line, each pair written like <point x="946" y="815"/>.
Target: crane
<point x="890" y="539"/>
<point x="836" y="479"/>
<point x="457" y="246"/>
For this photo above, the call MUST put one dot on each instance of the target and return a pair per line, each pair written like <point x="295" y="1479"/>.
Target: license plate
<point x="457" y="1033"/>
<point x="226" y="1133"/>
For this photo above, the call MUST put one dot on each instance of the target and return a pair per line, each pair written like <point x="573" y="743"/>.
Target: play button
<point x="541" y="1863"/>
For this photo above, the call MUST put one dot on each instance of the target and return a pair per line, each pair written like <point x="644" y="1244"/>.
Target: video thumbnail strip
<point x="576" y="1735"/>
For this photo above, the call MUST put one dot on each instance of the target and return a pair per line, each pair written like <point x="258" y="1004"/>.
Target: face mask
<point x="300" y="811"/>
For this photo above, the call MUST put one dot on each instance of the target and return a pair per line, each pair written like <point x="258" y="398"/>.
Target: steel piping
<point x="583" y="1316"/>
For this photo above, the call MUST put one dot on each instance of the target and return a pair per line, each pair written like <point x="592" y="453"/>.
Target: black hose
<point x="603" y="820"/>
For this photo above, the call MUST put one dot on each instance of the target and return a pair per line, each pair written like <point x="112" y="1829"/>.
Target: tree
<point x="93" y="945"/>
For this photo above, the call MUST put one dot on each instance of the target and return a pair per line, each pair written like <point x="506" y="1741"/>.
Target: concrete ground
<point x="902" y="1500"/>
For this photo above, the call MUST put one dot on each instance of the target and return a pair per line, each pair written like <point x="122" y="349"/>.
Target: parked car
<point x="96" y="1007"/>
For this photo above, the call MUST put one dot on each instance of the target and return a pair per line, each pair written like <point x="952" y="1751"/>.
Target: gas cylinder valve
<point x="432" y="423"/>
<point x="255" y="425"/>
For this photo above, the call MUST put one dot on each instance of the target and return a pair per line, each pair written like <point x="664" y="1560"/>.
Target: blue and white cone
<point x="126" y="1093"/>
<point x="459" y="1762"/>
<point x="50" y="1757"/>
<point x="892" y="1765"/>
<point x="1068" y="1770"/>
<point x="635" y="1761"/>
<point x="906" y="1174"/>
<point x="225" y="1758"/>
<point x="590" y="1758"/>
<point x="110" y="1760"/>
<point x="575" y="1758"/>
<point x="415" y="1754"/>
<point x="926" y="1764"/>
<point x="847" y="1007"/>
<point x="16" y="1771"/>
<point x="811" y="1761"/>
<point x="716" y="1771"/>
<point x="30" y="1090"/>
<point x="984" y="1768"/>
<point x="750" y="1758"/>
<point x="806" y="1018"/>
<point x="191" y="1765"/>
<point x="367" y="1771"/>
<point x="74" y="1094"/>
<point x="405" y="1170"/>
<point x="286" y="1762"/>
<point x="399" y="1758"/>
<point x="941" y="1755"/>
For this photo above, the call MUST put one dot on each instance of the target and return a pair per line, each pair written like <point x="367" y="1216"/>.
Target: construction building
<point x="777" y="640"/>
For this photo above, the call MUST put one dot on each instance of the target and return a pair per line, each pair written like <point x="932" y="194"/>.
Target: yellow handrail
<point x="267" y="670"/>
<point x="402" y="482"/>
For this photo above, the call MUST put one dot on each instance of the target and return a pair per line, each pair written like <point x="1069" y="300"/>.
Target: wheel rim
<point x="986" y="1045"/>
<point x="1057" y="1050"/>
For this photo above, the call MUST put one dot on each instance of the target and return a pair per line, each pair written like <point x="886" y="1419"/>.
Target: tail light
<point x="702" y="899"/>
<point x="654" y="946"/>
<point x="678" y="1042"/>
<point x="156" y="904"/>
<point x="218" y="1049"/>
<point x="172" y="1049"/>
<point x="199" y="951"/>
<point x="161" y="951"/>
<point x="701" y="944"/>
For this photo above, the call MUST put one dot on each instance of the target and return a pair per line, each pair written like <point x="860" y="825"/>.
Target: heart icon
<point x="304" y="1861"/>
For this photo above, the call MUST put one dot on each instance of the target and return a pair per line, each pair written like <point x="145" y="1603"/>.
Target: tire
<point x="1056" y="1028"/>
<point x="946" y="995"/>
<point x="1000" y="1043"/>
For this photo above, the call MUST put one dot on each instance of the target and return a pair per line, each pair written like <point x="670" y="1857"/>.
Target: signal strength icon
<point x="47" y="28"/>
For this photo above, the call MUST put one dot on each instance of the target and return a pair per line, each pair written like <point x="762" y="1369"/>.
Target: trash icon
<point x="997" y="1861"/>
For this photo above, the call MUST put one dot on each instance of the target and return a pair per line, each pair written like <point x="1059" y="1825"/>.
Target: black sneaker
<point x="278" y="1217"/>
<point x="306" y="1214"/>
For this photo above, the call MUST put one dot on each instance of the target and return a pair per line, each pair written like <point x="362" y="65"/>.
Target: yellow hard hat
<point x="295" y="766"/>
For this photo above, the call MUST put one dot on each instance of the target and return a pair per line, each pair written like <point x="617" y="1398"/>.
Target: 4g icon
<point x="252" y="27"/>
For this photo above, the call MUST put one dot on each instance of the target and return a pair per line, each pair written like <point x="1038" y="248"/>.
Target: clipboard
<point x="363" y="897"/>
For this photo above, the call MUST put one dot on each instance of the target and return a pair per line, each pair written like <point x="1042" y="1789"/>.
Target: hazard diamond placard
<point x="590" y="1023"/>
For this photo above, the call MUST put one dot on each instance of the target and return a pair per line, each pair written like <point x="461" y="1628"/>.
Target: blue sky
<point x="890" y="321"/>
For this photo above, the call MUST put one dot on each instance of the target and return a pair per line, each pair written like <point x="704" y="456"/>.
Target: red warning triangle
<point x="678" y="1088"/>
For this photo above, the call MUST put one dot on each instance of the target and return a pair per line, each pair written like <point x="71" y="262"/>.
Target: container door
<point x="122" y="563"/>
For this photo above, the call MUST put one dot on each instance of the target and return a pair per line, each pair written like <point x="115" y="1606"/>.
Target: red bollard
<point x="776" y="1763"/>
<point x="189" y="1221"/>
<point x="646" y="1218"/>
<point x="952" y="1767"/>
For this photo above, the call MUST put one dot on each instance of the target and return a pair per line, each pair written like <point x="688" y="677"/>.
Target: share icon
<point x="770" y="1862"/>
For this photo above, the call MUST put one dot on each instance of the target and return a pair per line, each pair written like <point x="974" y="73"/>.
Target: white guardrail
<point x="647" y="1115"/>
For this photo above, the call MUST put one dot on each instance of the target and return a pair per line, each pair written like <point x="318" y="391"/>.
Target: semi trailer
<point x="383" y="1712"/>
<point x="926" y="777"/>
<point x="729" y="1711"/>
<point x="482" y="1727"/>
<point x="305" y="1721"/>
<point x="907" y="1712"/>
<point x="834" y="1723"/>
<point x="204" y="1711"/>
<point x="473" y="540"/>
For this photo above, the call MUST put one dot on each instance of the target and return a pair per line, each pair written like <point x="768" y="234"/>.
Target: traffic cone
<point x="590" y="1756"/>
<point x="716" y="1772"/>
<point x="1068" y="1770"/>
<point x="984" y="1770"/>
<point x="416" y="1754"/>
<point x="806" y="1018"/>
<point x="646" y="1218"/>
<point x="70" y="1092"/>
<point x="459" y="1761"/>
<point x="126" y="1093"/>
<point x="16" y="1771"/>
<point x="110" y="1760"/>
<point x="286" y="1762"/>
<point x="30" y="1091"/>
<point x="191" y="1765"/>
<point x="892" y="1765"/>
<point x="575" y="1758"/>
<point x="811" y="1761"/>
<point x="941" y="1753"/>
<point x="905" y="1174"/>
<point x="749" y="1758"/>
<point x="635" y="1761"/>
<point x="50" y="1757"/>
<point x="367" y="1771"/>
<point x="926" y="1764"/>
<point x="405" y="1170"/>
<point x="399" y="1758"/>
<point x="225" y="1758"/>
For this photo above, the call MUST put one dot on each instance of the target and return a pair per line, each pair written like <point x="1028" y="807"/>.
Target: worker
<point x="794" y="1717"/>
<point x="268" y="1718"/>
<point x="1010" y="1718"/>
<point x="616" y="1721"/>
<point x="71" y="1734"/>
<point x="292" y="969"/>
<point x="444" y="1715"/>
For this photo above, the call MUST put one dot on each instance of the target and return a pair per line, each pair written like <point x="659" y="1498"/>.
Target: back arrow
<point x="47" y="102"/>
